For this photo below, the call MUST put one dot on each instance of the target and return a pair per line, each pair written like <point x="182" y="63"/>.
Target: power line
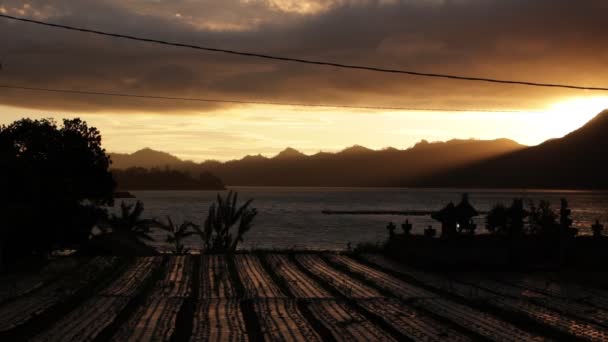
<point x="212" y="100"/>
<point x="307" y="61"/>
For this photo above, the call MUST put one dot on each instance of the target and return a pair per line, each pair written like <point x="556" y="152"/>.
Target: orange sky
<point x="487" y="38"/>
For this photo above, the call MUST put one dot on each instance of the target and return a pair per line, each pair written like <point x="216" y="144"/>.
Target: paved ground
<point x="290" y="297"/>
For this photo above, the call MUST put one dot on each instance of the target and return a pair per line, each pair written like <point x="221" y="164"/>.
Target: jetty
<point x="384" y="212"/>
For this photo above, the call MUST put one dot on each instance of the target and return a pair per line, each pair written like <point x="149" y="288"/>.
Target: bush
<point x="223" y="216"/>
<point x="496" y="221"/>
<point x="177" y="233"/>
<point x="542" y="220"/>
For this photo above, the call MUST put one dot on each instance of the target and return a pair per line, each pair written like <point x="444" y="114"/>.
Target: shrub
<point x="496" y="221"/>
<point x="542" y="220"/>
<point x="223" y="216"/>
<point x="177" y="233"/>
<point x="129" y="223"/>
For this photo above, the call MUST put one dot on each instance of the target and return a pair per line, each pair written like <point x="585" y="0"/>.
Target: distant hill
<point x="354" y="166"/>
<point x="146" y="158"/>
<point x="576" y="161"/>
<point x="289" y="153"/>
<point x="359" y="166"/>
<point x="137" y="178"/>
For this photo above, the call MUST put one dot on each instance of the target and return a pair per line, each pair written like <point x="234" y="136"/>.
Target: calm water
<point x="291" y="217"/>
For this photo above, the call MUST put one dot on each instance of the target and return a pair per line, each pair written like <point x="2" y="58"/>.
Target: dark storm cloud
<point x="543" y="40"/>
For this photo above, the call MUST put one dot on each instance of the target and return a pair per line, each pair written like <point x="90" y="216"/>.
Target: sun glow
<point x="235" y="132"/>
<point x="564" y="117"/>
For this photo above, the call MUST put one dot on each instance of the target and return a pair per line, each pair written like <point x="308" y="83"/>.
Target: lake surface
<point x="292" y="217"/>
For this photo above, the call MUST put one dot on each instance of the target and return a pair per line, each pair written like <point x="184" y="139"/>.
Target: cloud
<point x="518" y="39"/>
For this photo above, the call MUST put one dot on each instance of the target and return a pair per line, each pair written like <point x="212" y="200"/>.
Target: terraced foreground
<point x="290" y="297"/>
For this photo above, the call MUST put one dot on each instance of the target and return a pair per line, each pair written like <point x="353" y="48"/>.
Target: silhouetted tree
<point x="542" y="220"/>
<point x="177" y="233"/>
<point x="597" y="229"/>
<point x="129" y="224"/>
<point x="497" y="219"/>
<point x="516" y="216"/>
<point x="222" y="217"/>
<point x="565" y="220"/>
<point x="507" y="221"/>
<point x="53" y="180"/>
<point x="391" y="227"/>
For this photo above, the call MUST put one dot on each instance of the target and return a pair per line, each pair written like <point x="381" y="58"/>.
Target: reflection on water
<point x="291" y="217"/>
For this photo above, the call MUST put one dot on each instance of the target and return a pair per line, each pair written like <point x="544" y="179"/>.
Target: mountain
<point x="353" y="166"/>
<point x="146" y="158"/>
<point x="357" y="165"/>
<point x="289" y="153"/>
<point x="356" y="149"/>
<point x="576" y="161"/>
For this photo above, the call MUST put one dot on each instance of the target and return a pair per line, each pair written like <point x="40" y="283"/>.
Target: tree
<point x="222" y="217"/>
<point x="177" y="233"/>
<point x="130" y="224"/>
<point x="565" y="221"/>
<point x="516" y="215"/>
<point x="542" y="220"/>
<point x="391" y="229"/>
<point x="597" y="228"/>
<point x="497" y="219"/>
<point x="507" y="221"/>
<point x="53" y="180"/>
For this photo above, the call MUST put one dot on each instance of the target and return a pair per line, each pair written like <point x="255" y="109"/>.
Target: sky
<point x="551" y="41"/>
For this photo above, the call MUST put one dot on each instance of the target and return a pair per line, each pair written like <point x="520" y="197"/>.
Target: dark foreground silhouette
<point x="53" y="181"/>
<point x="518" y="237"/>
<point x="56" y="187"/>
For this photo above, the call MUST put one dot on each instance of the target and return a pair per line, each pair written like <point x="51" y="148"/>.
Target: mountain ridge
<point x="160" y="159"/>
<point x="575" y="161"/>
<point x="353" y="166"/>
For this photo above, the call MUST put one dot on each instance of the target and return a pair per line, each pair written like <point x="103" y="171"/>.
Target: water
<point x="292" y="218"/>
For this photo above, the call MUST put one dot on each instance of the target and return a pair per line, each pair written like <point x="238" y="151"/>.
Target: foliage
<point x="130" y="223"/>
<point x="517" y="214"/>
<point x="597" y="229"/>
<point x="496" y="221"/>
<point x="391" y="229"/>
<point x="542" y="219"/>
<point x="565" y="221"/>
<point x="177" y="233"/>
<point x="507" y="221"/>
<point x="223" y="215"/>
<point x="53" y="180"/>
